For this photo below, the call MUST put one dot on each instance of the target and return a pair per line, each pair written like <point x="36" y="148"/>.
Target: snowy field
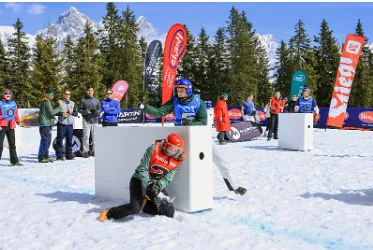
<point x="317" y="200"/>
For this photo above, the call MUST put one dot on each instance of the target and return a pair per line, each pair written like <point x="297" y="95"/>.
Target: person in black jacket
<point x="292" y="103"/>
<point x="90" y="109"/>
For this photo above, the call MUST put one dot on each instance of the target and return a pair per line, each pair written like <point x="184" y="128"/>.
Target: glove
<point x="316" y="117"/>
<point x="185" y="121"/>
<point x="152" y="191"/>
<point x="141" y="106"/>
<point x="254" y="112"/>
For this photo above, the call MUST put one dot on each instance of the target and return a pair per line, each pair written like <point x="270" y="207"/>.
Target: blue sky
<point x="278" y="19"/>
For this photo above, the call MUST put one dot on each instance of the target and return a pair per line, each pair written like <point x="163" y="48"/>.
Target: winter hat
<point x="7" y="91"/>
<point x="49" y="91"/>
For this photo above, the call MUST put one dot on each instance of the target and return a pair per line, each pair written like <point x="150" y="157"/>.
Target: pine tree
<point x="361" y="92"/>
<point x="187" y="67"/>
<point x="87" y="62"/>
<point x="217" y="65"/>
<point x="143" y="46"/>
<point x="243" y="60"/>
<point x="69" y="66"/>
<point x="284" y="69"/>
<point x="327" y="60"/>
<point x="264" y="87"/>
<point x="202" y="51"/>
<point x="3" y="66"/>
<point x="302" y="55"/>
<point x="19" y="58"/>
<point x="46" y="69"/>
<point x="130" y="60"/>
<point x="110" y="46"/>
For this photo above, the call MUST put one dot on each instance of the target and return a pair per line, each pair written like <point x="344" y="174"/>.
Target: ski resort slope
<point x="295" y="200"/>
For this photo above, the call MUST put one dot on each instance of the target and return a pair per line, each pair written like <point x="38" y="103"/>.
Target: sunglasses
<point x="7" y="93"/>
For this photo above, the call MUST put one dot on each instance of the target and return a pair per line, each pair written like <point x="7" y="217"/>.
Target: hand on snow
<point x="185" y="121"/>
<point x="152" y="191"/>
<point x="142" y="106"/>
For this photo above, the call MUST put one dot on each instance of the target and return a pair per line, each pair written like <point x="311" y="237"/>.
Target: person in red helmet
<point x="155" y="172"/>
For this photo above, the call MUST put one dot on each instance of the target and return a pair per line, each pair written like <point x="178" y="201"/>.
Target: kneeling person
<point x="156" y="171"/>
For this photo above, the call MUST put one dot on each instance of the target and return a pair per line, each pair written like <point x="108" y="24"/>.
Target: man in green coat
<point x="46" y="121"/>
<point x="189" y="109"/>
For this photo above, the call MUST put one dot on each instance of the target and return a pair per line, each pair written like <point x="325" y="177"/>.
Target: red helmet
<point x="173" y="145"/>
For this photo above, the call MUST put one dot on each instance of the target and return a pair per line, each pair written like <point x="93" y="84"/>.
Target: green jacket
<point x="168" y="107"/>
<point x="47" y="112"/>
<point x="142" y="171"/>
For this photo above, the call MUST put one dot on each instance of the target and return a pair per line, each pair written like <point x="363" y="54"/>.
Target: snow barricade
<point x="295" y="131"/>
<point x="118" y="151"/>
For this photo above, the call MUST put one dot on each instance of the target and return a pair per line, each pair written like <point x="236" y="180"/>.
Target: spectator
<point x="147" y="181"/>
<point x="221" y="116"/>
<point x="8" y="119"/>
<point x="65" y="126"/>
<point x="276" y="108"/>
<point x="111" y="108"/>
<point x="306" y="104"/>
<point x="46" y="122"/>
<point x="284" y="105"/>
<point x="248" y="109"/>
<point x="292" y="103"/>
<point x="267" y="111"/>
<point x="90" y="109"/>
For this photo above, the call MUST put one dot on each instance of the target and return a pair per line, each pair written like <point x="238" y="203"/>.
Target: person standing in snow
<point x="306" y="104"/>
<point x="189" y="109"/>
<point x="46" y="121"/>
<point x="267" y="111"/>
<point x="292" y="103"/>
<point x="65" y="127"/>
<point x="276" y="107"/>
<point x="111" y="108"/>
<point x="90" y="109"/>
<point x="157" y="169"/>
<point x="221" y="116"/>
<point x="248" y="110"/>
<point x="8" y="119"/>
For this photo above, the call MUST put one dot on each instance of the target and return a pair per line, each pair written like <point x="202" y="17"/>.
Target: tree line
<point x="235" y="61"/>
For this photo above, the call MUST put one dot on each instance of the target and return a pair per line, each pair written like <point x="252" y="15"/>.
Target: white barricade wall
<point x="295" y="131"/>
<point x="18" y="135"/>
<point x="210" y="117"/>
<point x="78" y="122"/>
<point x="118" y="151"/>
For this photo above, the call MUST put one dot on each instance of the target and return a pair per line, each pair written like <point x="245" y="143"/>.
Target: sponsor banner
<point x="151" y="57"/>
<point x="174" y="50"/>
<point x="130" y="115"/>
<point x="29" y="117"/>
<point x="298" y="81"/>
<point x="344" y="79"/>
<point x="353" y="117"/>
<point x="236" y="116"/>
<point x="119" y="90"/>
<point x="244" y="131"/>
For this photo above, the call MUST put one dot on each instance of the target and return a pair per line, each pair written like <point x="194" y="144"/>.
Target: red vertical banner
<point x="174" y="50"/>
<point x="343" y="82"/>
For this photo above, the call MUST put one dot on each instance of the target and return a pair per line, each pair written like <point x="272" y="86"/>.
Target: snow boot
<point x="44" y="160"/>
<point x="103" y="215"/>
<point x="17" y="164"/>
<point x="61" y="159"/>
<point x="240" y="190"/>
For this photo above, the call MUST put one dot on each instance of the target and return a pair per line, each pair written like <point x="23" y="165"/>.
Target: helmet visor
<point x="172" y="150"/>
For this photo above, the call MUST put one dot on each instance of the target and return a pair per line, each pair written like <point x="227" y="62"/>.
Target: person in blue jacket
<point x="111" y="108"/>
<point x="306" y="104"/>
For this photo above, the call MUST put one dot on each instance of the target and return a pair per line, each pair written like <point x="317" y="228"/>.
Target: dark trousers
<point x="221" y="136"/>
<point x="11" y="137"/>
<point x="268" y="123"/>
<point x="137" y="193"/>
<point x="45" y="141"/>
<point x="108" y="124"/>
<point x="64" y="131"/>
<point x="274" y="127"/>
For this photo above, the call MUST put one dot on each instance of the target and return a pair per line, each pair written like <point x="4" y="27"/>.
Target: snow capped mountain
<point x="70" y="23"/>
<point x="270" y="44"/>
<point x="6" y="32"/>
<point x="147" y="31"/>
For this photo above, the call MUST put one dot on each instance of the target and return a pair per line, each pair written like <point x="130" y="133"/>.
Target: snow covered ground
<point x="317" y="200"/>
